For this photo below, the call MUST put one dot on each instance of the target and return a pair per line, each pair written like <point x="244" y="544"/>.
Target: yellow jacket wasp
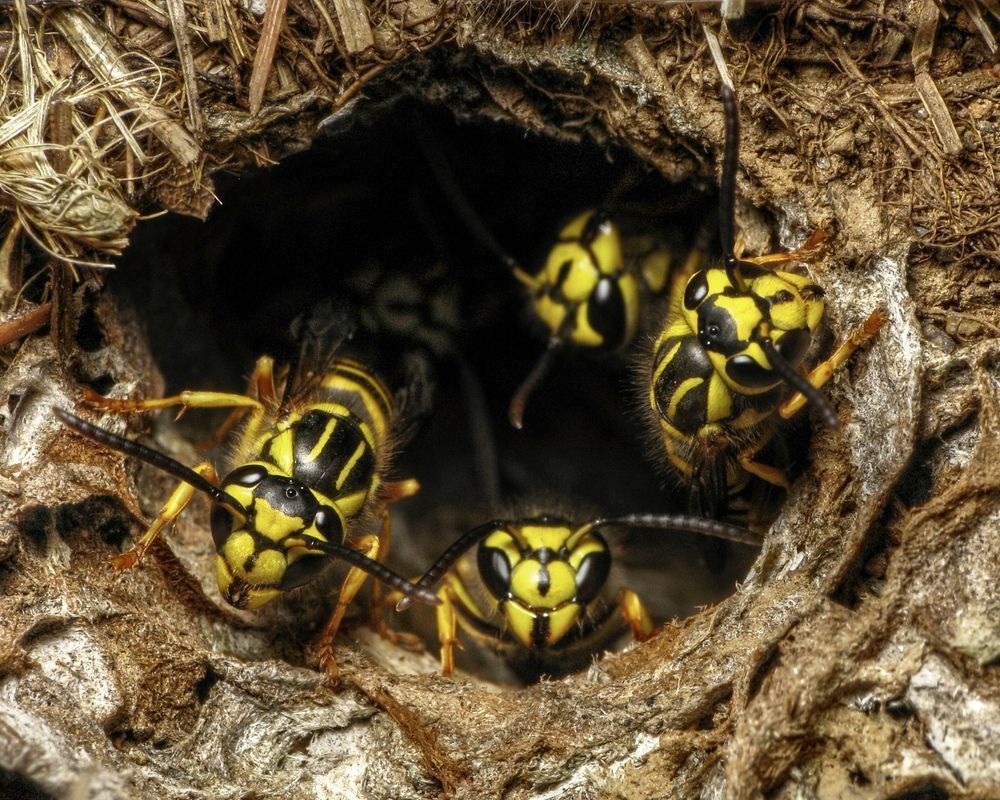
<point x="729" y="350"/>
<point x="307" y="476"/>
<point x="591" y="292"/>
<point x="545" y="605"/>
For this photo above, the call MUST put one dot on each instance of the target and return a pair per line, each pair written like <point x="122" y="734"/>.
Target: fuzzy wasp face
<point x="263" y="555"/>
<point x="543" y="577"/>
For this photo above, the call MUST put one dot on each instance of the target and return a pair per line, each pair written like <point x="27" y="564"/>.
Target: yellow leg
<point x="369" y="545"/>
<point x="823" y="371"/>
<point x="765" y="472"/>
<point x="260" y="386"/>
<point x="805" y="253"/>
<point x="635" y="614"/>
<point x="260" y="392"/>
<point x="447" y="628"/>
<point x="393" y="491"/>
<point x="378" y="603"/>
<point x="175" y="504"/>
<point x="185" y="400"/>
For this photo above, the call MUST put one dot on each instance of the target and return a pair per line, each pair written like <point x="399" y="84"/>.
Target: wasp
<point x="307" y="480"/>
<point x="546" y="604"/>
<point x="593" y="289"/>
<point x="720" y="370"/>
<point x="591" y="292"/>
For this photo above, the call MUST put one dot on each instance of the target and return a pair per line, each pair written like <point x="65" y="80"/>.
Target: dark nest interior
<point x="292" y="149"/>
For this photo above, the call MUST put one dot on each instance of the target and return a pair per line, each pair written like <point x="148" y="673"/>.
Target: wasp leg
<point x="261" y="386"/>
<point x="765" y="472"/>
<point x="447" y="629"/>
<point x="378" y="603"/>
<point x="369" y="546"/>
<point x="805" y="253"/>
<point x="635" y="614"/>
<point x="393" y="491"/>
<point x="823" y="371"/>
<point x="175" y="504"/>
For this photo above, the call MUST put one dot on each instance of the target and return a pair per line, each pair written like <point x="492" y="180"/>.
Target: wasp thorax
<point x="267" y="552"/>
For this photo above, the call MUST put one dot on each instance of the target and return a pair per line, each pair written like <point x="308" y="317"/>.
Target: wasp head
<point x="266" y="552"/>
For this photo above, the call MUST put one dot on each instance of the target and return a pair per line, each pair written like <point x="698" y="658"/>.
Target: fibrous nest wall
<point x="857" y="658"/>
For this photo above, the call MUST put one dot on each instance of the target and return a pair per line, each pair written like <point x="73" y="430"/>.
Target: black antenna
<point x="451" y="555"/>
<point x="390" y="578"/>
<point x="727" y="188"/>
<point x="150" y="456"/>
<point x="798" y="381"/>
<point x="684" y="522"/>
<point x="515" y="412"/>
<point x="446" y="180"/>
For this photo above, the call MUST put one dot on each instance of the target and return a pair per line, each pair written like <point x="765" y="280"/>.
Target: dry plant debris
<point x="858" y="659"/>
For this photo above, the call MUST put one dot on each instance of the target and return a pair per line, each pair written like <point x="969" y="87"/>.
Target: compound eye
<point x="792" y="345"/>
<point x="696" y="291"/>
<point x="591" y="575"/>
<point x="606" y="312"/>
<point x="329" y="523"/>
<point x="494" y="569"/>
<point x="249" y="475"/>
<point x="745" y="371"/>
<point x="222" y="525"/>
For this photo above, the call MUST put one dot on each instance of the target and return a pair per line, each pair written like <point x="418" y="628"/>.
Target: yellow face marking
<point x="583" y="334"/>
<point x="550" y="312"/>
<point x="526" y="577"/>
<point x="589" y="544"/>
<point x="607" y="249"/>
<point x="272" y="523"/>
<point x="574" y="228"/>
<point x="501" y="540"/>
<point x="520" y="622"/>
<point x="237" y="548"/>
<point x="580" y="278"/>
<point x="561" y="622"/>
<point x="241" y="494"/>
<point x="268" y="568"/>
<point x="632" y="299"/>
<point x="686" y="386"/>
<point x="744" y="311"/>
<point x="553" y="536"/>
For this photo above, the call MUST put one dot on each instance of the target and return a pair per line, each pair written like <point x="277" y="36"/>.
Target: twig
<point x="178" y="23"/>
<point x="354" y="25"/>
<point x="19" y="327"/>
<point x="102" y="55"/>
<point x="274" y="18"/>
<point x="923" y="48"/>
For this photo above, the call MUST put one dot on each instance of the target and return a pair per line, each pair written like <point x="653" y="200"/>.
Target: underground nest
<point x="858" y="656"/>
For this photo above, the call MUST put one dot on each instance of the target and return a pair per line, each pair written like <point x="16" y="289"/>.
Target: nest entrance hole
<point x="363" y="208"/>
